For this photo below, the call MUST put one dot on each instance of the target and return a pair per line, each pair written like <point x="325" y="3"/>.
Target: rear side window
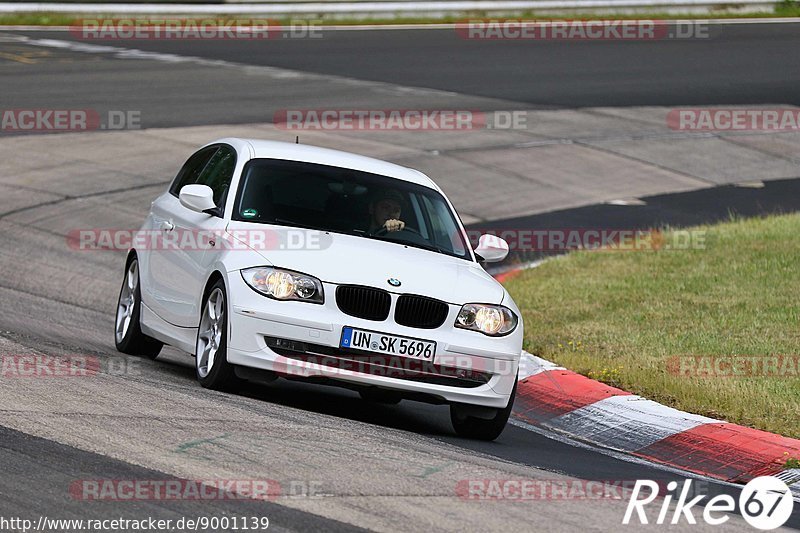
<point x="191" y="169"/>
<point x="218" y="173"/>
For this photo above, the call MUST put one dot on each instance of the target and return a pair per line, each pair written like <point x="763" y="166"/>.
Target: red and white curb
<point x="559" y="400"/>
<point x="792" y="478"/>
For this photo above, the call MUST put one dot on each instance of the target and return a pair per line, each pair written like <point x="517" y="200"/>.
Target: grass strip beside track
<point x="785" y="9"/>
<point x="627" y="317"/>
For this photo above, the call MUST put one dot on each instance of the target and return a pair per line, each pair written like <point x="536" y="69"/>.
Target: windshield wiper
<point x="426" y="246"/>
<point x="293" y="224"/>
<point x="431" y="247"/>
<point x="283" y="222"/>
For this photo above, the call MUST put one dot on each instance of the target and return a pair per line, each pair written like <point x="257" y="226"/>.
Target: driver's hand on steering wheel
<point x="394" y="225"/>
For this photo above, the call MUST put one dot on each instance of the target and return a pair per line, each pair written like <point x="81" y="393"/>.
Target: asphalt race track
<point x="735" y="65"/>
<point x="341" y="463"/>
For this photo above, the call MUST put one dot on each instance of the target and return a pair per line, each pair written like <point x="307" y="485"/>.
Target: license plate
<point x="373" y="341"/>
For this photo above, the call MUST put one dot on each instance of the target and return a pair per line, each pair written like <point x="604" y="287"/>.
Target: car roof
<point x="263" y="149"/>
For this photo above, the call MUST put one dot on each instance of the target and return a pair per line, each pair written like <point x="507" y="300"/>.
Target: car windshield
<point x="340" y="200"/>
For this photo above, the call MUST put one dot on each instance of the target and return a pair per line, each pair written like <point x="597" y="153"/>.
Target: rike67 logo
<point x="766" y="503"/>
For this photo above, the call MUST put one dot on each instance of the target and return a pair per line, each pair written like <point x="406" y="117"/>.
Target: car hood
<point x="348" y="259"/>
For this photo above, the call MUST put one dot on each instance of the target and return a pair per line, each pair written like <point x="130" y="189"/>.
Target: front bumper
<point x="468" y="367"/>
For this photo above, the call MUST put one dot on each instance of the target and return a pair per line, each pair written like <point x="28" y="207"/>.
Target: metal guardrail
<point x="389" y="7"/>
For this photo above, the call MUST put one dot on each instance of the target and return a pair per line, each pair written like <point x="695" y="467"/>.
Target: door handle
<point x="167" y="225"/>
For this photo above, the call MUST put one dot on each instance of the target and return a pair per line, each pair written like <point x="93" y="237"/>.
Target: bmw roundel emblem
<point x="394" y="282"/>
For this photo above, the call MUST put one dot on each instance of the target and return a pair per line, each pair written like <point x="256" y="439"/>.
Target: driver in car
<point x="384" y="212"/>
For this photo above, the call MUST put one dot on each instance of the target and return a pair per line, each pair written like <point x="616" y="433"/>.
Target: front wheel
<point x="128" y="336"/>
<point x="211" y="351"/>
<point x="473" y="427"/>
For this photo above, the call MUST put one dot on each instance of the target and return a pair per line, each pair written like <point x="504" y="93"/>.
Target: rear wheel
<point x="211" y="351"/>
<point x="128" y="336"/>
<point x="474" y="427"/>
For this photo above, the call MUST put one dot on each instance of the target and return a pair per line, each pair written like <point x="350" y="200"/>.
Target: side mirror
<point x="491" y="248"/>
<point x="199" y="198"/>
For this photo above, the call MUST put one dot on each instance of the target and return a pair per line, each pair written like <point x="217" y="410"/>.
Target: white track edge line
<point x="452" y="26"/>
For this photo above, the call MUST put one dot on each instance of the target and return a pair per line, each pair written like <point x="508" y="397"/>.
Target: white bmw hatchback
<point x="268" y="259"/>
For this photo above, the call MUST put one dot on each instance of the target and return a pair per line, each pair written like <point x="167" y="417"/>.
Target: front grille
<point x="420" y="312"/>
<point x="363" y="302"/>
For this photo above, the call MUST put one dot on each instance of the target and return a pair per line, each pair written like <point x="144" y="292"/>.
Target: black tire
<point x="221" y="376"/>
<point x="133" y="342"/>
<point x="472" y="427"/>
<point x="380" y="396"/>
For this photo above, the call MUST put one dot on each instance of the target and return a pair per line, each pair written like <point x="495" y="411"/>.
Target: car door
<point x="176" y="268"/>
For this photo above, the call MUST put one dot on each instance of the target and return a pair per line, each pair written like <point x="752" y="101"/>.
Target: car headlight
<point x="284" y="284"/>
<point x="492" y="320"/>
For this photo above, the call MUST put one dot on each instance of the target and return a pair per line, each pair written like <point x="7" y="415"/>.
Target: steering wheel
<point x="384" y="230"/>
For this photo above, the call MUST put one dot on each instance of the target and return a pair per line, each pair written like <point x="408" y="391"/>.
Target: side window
<point x="192" y="169"/>
<point x="445" y="232"/>
<point x="218" y="173"/>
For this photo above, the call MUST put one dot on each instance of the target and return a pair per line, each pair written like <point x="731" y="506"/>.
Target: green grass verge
<point x="37" y="19"/>
<point x="783" y="9"/>
<point x="620" y="316"/>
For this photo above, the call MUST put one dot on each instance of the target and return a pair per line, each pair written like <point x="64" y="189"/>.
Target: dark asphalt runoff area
<point x="744" y="64"/>
<point x="734" y="65"/>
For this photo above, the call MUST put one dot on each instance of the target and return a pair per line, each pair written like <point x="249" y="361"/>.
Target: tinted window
<point x="218" y="173"/>
<point x="192" y="169"/>
<point x="308" y="195"/>
<point x="444" y="231"/>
